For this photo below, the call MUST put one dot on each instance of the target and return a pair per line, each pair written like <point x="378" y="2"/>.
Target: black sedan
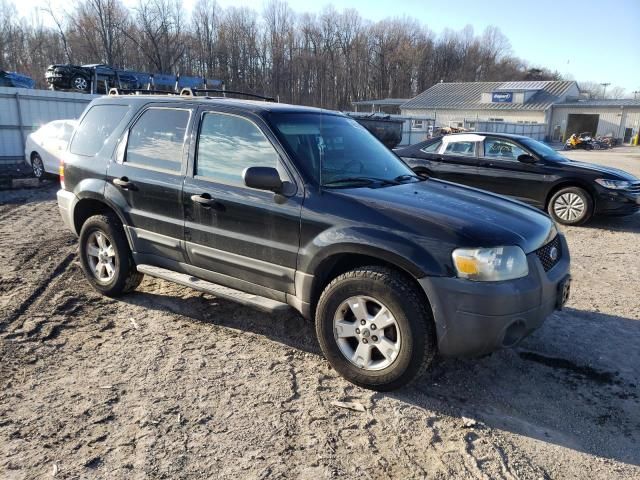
<point x="528" y="170"/>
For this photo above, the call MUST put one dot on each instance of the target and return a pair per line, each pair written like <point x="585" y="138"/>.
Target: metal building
<point x="554" y="107"/>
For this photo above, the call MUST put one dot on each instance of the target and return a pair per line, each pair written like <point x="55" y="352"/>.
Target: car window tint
<point x="228" y="144"/>
<point x="432" y="148"/>
<point x="461" y="148"/>
<point x="95" y="128"/>
<point x="156" y="139"/>
<point x="502" y="149"/>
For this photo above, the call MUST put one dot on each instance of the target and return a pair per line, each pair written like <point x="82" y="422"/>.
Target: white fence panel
<point x="23" y="111"/>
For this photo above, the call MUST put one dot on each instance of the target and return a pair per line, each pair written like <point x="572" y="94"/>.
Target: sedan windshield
<point x="338" y="152"/>
<point x="543" y="150"/>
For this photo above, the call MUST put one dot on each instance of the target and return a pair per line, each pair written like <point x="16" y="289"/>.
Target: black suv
<point x="280" y="206"/>
<point x="79" y="78"/>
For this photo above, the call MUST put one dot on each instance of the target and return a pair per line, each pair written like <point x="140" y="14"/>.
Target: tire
<point x="122" y="277"/>
<point x="79" y="83"/>
<point x="411" y="330"/>
<point x="37" y="167"/>
<point x="560" y="206"/>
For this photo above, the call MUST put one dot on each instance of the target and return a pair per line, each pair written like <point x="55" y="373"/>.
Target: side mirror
<point x="526" y="158"/>
<point x="262" y="178"/>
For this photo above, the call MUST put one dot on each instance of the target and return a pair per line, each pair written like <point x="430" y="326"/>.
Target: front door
<point x="232" y="232"/>
<point x="500" y="171"/>
<point x="146" y="180"/>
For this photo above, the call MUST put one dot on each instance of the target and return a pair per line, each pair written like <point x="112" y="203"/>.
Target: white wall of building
<point x="612" y="121"/>
<point x="444" y="117"/>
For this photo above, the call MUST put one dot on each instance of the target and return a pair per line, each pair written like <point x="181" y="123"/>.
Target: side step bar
<point x="255" y="301"/>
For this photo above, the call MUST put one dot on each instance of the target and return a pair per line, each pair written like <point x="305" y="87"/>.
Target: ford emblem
<point x="553" y="253"/>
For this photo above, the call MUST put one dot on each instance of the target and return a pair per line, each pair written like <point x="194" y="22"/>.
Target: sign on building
<point x="501" y="97"/>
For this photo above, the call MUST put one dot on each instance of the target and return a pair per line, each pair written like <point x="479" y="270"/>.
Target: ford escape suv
<point x="281" y="206"/>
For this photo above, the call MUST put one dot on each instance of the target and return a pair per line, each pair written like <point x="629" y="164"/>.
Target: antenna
<point x="604" y="89"/>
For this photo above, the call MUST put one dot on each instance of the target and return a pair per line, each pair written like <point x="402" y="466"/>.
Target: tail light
<point x="61" y="173"/>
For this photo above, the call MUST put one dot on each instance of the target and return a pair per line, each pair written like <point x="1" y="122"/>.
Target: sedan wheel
<point x="38" y="167"/>
<point x="367" y="333"/>
<point x="571" y="206"/>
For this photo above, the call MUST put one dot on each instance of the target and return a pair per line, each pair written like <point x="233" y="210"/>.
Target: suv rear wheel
<point x="374" y="328"/>
<point x="571" y="206"/>
<point x="105" y="256"/>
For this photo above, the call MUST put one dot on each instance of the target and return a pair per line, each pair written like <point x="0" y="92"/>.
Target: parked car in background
<point x="79" y="77"/>
<point x="16" y="80"/>
<point x="45" y="146"/>
<point x="528" y="170"/>
<point x="280" y="206"/>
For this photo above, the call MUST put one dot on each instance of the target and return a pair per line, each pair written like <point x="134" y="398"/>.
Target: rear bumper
<point x="476" y="318"/>
<point x="66" y="204"/>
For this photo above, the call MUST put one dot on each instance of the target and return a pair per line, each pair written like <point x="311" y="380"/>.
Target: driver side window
<point x="502" y="149"/>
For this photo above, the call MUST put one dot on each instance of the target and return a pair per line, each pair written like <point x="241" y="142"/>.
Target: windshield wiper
<point x="363" y="180"/>
<point x="408" y="176"/>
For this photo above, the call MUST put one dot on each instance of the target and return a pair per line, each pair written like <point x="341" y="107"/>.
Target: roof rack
<point x="185" y="92"/>
<point x="193" y="92"/>
<point x="138" y="91"/>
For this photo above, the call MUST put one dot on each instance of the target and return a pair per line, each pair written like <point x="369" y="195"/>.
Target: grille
<point x="635" y="188"/>
<point x="544" y="254"/>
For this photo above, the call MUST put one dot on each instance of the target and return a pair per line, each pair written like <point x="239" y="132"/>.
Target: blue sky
<point x="587" y="40"/>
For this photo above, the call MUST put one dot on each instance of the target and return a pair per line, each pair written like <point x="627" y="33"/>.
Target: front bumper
<point x="476" y="318"/>
<point x="66" y="204"/>
<point x="617" y="202"/>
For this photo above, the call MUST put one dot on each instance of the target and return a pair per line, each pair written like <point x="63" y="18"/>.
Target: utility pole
<point x="604" y="89"/>
<point x="635" y="94"/>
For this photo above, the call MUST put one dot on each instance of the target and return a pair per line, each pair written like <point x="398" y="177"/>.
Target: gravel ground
<point x="171" y="383"/>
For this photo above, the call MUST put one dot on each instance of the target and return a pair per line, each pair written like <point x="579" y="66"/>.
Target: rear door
<point x="457" y="160"/>
<point x="241" y="237"/>
<point x="147" y="177"/>
<point x="500" y="171"/>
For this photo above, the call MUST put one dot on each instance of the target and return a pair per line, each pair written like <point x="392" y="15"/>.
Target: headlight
<point x="614" y="184"/>
<point x="490" y="264"/>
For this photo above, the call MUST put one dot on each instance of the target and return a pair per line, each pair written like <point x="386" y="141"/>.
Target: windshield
<point x="349" y="155"/>
<point x="543" y="150"/>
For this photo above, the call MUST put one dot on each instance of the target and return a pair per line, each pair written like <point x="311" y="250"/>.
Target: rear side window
<point x="461" y="148"/>
<point x="432" y="148"/>
<point x="156" y="139"/>
<point x="95" y="128"/>
<point x="228" y="144"/>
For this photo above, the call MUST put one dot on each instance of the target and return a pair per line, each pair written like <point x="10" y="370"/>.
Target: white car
<point x="45" y="146"/>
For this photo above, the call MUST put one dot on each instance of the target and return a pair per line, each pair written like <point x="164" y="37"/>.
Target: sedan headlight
<point x="613" y="184"/>
<point x="490" y="264"/>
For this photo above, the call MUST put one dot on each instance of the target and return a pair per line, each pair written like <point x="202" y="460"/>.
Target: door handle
<point x="204" y="200"/>
<point x="124" y="183"/>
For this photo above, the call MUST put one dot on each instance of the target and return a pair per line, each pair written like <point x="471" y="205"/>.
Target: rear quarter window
<point x="96" y="127"/>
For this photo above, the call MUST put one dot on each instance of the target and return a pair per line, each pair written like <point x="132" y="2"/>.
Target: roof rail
<point x="138" y="91"/>
<point x="192" y="92"/>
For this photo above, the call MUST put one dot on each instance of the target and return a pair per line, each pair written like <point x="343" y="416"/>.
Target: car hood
<point x="609" y="172"/>
<point x="466" y="216"/>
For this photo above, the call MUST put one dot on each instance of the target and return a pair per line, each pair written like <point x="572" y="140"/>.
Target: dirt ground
<point x="171" y="383"/>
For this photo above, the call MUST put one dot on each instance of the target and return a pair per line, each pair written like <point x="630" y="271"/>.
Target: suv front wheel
<point x="375" y="329"/>
<point x="105" y="256"/>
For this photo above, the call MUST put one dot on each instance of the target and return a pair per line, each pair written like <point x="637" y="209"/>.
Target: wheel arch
<point x="89" y="206"/>
<point x="567" y="184"/>
<point x="338" y="263"/>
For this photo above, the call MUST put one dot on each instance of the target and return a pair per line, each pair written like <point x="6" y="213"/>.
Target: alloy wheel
<point x="569" y="206"/>
<point x="80" y="83"/>
<point x="101" y="256"/>
<point x="38" y="167"/>
<point x="367" y="333"/>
